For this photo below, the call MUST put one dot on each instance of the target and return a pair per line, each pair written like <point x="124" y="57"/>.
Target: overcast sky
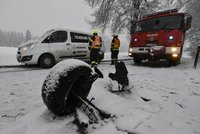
<point x="39" y="16"/>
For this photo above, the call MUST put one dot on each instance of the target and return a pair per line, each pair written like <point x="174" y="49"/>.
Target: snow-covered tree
<point x="193" y="7"/>
<point x="117" y="14"/>
<point x="11" y="39"/>
<point x="28" y="35"/>
<point x="3" y="39"/>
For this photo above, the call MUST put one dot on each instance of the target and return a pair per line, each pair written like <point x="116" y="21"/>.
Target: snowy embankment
<point x="163" y="100"/>
<point x="8" y="57"/>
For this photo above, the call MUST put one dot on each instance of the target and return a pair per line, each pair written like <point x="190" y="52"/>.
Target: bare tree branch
<point x="117" y="14"/>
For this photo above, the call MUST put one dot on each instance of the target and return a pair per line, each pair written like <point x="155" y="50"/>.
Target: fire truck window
<point x="171" y="22"/>
<point x="157" y="22"/>
<point x="162" y="23"/>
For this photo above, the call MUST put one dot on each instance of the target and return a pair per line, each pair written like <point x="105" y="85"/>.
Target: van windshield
<point x="161" y="23"/>
<point x="46" y="34"/>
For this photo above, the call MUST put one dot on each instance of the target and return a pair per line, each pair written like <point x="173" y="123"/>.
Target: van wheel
<point x="47" y="61"/>
<point x="63" y="81"/>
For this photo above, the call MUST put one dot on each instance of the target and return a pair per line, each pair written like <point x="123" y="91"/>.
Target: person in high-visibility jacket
<point x="95" y="44"/>
<point x="114" y="49"/>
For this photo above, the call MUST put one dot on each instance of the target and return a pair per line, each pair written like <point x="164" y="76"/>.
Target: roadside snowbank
<point x="8" y="56"/>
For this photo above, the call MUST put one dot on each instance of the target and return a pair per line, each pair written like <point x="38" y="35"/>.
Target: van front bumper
<point x="24" y="58"/>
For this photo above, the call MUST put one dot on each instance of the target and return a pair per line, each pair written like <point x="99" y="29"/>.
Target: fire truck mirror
<point x="188" y="22"/>
<point x="133" y="25"/>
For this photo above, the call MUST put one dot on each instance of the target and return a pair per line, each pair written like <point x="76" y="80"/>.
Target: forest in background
<point x="13" y="38"/>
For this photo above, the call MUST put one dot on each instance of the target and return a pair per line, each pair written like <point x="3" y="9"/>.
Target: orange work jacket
<point x="115" y="44"/>
<point x="96" y="42"/>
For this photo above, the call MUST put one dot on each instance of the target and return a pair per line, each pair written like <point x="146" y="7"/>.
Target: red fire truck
<point x="159" y="36"/>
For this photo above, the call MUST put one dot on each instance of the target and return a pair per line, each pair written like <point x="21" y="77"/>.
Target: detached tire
<point x="65" y="78"/>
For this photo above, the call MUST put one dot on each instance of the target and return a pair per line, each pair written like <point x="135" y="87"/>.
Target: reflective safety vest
<point x="116" y="44"/>
<point x="96" y="42"/>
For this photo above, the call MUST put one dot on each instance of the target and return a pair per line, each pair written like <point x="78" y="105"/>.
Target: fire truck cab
<point x="159" y="36"/>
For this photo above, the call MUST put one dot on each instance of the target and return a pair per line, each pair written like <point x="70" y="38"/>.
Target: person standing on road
<point x="95" y="44"/>
<point x="115" y="44"/>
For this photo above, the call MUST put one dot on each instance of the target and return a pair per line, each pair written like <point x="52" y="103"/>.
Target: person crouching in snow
<point x="120" y="75"/>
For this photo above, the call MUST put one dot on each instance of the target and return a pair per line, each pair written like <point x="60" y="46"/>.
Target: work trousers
<point x="114" y="55"/>
<point x="94" y="56"/>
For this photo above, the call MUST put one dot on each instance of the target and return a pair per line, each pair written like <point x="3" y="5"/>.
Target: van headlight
<point x="27" y="47"/>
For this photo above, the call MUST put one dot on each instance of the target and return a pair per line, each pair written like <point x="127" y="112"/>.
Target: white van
<point x="54" y="46"/>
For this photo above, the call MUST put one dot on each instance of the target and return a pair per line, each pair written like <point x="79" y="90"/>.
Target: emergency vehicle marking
<point x="80" y="37"/>
<point x="150" y="35"/>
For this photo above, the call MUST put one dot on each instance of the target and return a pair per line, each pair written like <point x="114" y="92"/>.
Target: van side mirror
<point x="188" y="22"/>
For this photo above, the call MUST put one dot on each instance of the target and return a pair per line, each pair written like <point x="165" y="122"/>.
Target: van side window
<point x="58" y="36"/>
<point x="78" y="37"/>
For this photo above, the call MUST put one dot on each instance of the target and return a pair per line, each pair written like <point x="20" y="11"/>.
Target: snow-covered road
<point x="174" y="94"/>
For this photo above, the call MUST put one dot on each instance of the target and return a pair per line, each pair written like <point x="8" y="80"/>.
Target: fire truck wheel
<point x="174" y="62"/>
<point x="137" y="60"/>
<point x="63" y="81"/>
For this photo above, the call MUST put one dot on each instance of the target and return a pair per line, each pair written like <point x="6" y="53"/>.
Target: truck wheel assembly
<point x="65" y="91"/>
<point x="64" y="79"/>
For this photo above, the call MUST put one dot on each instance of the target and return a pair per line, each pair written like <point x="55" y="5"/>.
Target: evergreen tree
<point x="28" y="35"/>
<point x="11" y="39"/>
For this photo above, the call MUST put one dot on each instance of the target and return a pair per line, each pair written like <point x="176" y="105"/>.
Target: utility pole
<point x="196" y="57"/>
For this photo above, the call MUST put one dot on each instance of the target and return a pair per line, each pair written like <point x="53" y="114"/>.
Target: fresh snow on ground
<point x="8" y="57"/>
<point x="174" y="94"/>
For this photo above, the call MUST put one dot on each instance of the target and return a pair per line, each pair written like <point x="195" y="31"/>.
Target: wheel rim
<point x="47" y="61"/>
<point x="70" y="92"/>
